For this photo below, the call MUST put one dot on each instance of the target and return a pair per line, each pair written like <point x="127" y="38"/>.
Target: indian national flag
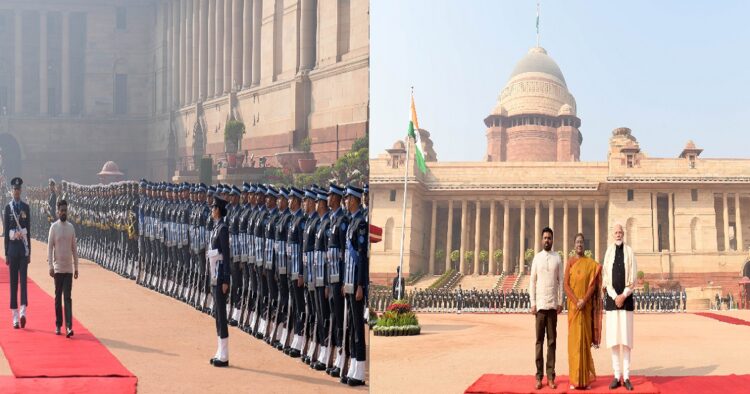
<point x="414" y="125"/>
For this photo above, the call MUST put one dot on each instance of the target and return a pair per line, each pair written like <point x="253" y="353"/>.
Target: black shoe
<point x="328" y="370"/>
<point x="287" y="349"/>
<point x="15" y="325"/>
<point x="294" y="353"/>
<point x="335" y="372"/>
<point x="219" y="363"/>
<point x="355" y="382"/>
<point x="318" y="366"/>
<point x="276" y="344"/>
<point x="259" y="335"/>
<point x="211" y="361"/>
<point x="615" y="384"/>
<point x="70" y="333"/>
<point x="628" y="385"/>
<point x="344" y="380"/>
<point x="57" y="330"/>
<point x="23" y="321"/>
<point x="233" y="323"/>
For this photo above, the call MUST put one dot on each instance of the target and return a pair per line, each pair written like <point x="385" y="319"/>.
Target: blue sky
<point x="669" y="70"/>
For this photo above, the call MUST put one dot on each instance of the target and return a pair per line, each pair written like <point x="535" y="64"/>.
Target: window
<point x="630" y="161"/>
<point x="630" y="194"/>
<point x="393" y="195"/>
<point x="121" y="94"/>
<point x="122" y="18"/>
<point x="694" y="194"/>
<point x="691" y="160"/>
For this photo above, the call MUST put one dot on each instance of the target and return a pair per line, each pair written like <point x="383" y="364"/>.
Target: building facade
<point x="150" y="84"/>
<point x="683" y="215"/>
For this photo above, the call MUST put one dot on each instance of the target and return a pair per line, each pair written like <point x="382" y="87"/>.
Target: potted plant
<point x="307" y="164"/>
<point x="439" y="255"/>
<point x="455" y="256"/>
<point x="233" y="131"/>
<point x="484" y="257"/>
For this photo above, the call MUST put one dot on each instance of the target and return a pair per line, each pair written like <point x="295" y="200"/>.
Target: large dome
<point x="536" y="86"/>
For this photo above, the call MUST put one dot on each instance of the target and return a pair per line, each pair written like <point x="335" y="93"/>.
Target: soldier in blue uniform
<point x="308" y="259"/>
<point x="339" y="222"/>
<point x="320" y="279"/>
<point x="294" y="248"/>
<point x="269" y="273"/>
<point x="16" y="222"/>
<point x="220" y="275"/>
<point x="356" y="278"/>
<point x="281" y="268"/>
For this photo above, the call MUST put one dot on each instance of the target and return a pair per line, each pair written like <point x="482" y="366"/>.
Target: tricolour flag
<point x="414" y="124"/>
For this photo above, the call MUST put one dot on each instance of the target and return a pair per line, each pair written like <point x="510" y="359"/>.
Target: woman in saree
<point x="582" y="285"/>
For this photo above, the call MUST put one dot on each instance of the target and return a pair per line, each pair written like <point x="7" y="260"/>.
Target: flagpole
<point x="403" y="218"/>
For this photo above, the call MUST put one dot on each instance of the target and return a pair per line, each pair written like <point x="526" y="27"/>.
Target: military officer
<point x="17" y="238"/>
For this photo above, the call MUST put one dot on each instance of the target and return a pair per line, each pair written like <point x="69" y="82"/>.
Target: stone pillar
<point x="176" y="53"/>
<point x="43" y="92"/>
<point x="580" y="216"/>
<point x="257" y="24"/>
<point x="449" y="240"/>
<point x="726" y="222"/>
<point x="228" y="46"/>
<point x="738" y="222"/>
<point x="433" y="225"/>
<point x="18" y="57"/>
<point x="183" y="54"/>
<point x="237" y="44"/>
<point x="506" y="236"/>
<point x="219" y="55"/>
<point x="654" y="224"/>
<point x="491" y="248"/>
<point x="247" y="39"/>
<point x="188" y="51"/>
<point x="462" y="249"/>
<point x="565" y="230"/>
<point x="211" y="57"/>
<point x="307" y="34"/>
<point x="196" y="49"/>
<point x="537" y="229"/>
<point x="203" y="74"/>
<point x="477" y="239"/>
<point x="670" y="215"/>
<point x="597" y="255"/>
<point x="551" y="221"/>
<point x="65" y="67"/>
<point x="521" y="239"/>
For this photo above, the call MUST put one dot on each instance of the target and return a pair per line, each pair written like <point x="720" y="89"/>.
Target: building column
<point x="247" y="39"/>
<point x="596" y="231"/>
<point x="18" y="57"/>
<point x="551" y="221"/>
<point x="537" y="221"/>
<point x="654" y="224"/>
<point x="196" y="50"/>
<point x="219" y="55"/>
<point x="188" y="51"/>
<point x="176" y="53"/>
<point x="670" y="215"/>
<point x="506" y="236"/>
<point x="307" y="34"/>
<point x="449" y="240"/>
<point x="257" y="24"/>
<point x="462" y="249"/>
<point x="477" y="239"/>
<point x="580" y="216"/>
<point x="433" y="225"/>
<point x="565" y="230"/>
<point x="738" y="222"/>
<point x="491" y="248"/>
<point x="65" y="67"/>
<point x="183" y="54"/>
<point x="43" y="92"/>
<point x="521" y="239"/>
<point x="227" y="46"/>
<point x="726" y="223"/>
<point x="237" y="44"/>
<point x="211" y="44"/>
<point x="203" y="52"/>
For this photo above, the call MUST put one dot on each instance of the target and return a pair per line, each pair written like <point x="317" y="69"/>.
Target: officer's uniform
<point x="16" y="220"/>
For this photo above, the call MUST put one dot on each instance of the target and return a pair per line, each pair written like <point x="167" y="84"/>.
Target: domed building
<point x="687" y="218"/>
<point x="535" y="116"/>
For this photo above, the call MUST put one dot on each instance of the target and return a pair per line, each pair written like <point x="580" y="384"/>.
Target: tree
<point x="455" y="256"/>
<point x="439" y="254"/>
<point x="233" y="131"/>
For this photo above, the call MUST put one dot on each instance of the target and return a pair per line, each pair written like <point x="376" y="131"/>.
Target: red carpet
<point x="80" y="364"/>
<point x="725" y="319"/>
<point x="9" y="384"/>
<point x="515" y="384"/>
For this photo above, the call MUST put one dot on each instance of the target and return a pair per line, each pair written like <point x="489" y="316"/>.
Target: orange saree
<point x="583" y="282"/>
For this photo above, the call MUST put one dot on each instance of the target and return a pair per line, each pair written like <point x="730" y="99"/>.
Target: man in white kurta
<point x="618" y="275"/>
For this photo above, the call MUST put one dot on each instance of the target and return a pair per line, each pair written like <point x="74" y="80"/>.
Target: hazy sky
<point x="669" y="70"/>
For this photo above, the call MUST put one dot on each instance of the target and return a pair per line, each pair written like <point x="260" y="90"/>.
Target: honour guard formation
<point x="288" y="266"/>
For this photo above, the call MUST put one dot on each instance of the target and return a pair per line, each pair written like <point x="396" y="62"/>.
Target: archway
<point x="11" y="156"/>
<point x="746" y="270"/>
